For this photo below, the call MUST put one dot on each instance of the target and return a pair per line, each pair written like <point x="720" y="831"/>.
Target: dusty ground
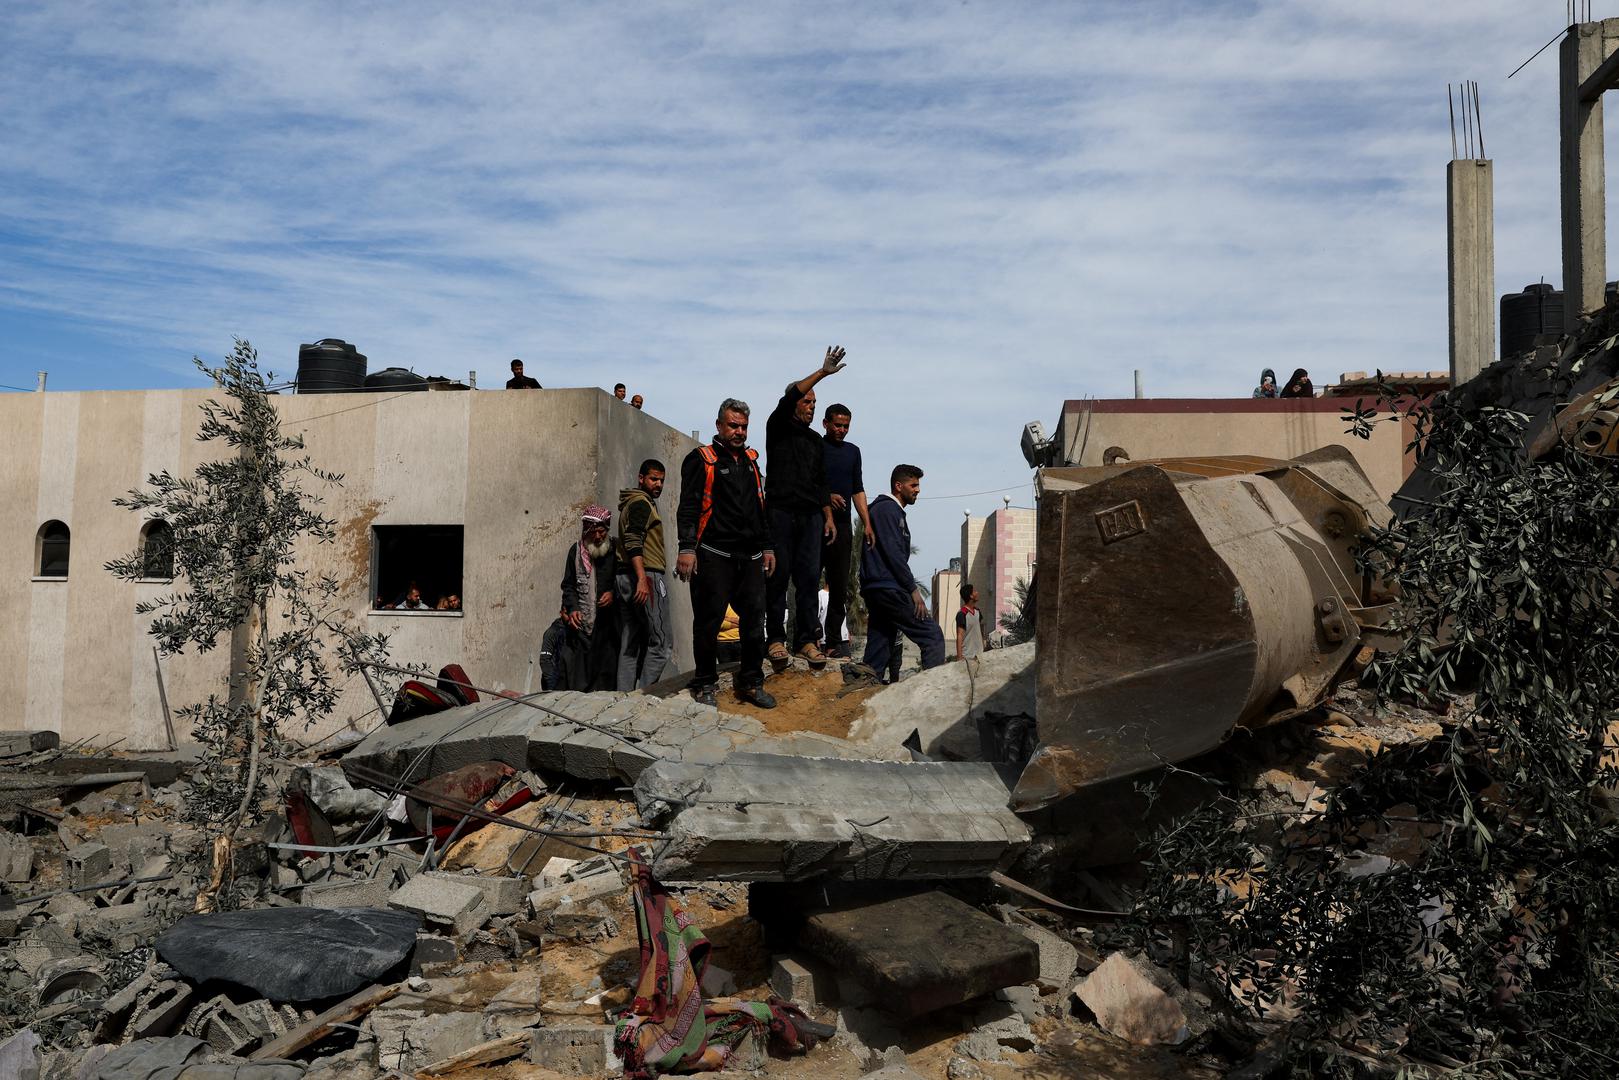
<point x="805" y="701"/>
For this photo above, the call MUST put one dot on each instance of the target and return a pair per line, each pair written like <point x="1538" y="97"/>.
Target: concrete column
<point x="1470" y="216"/>
<point x="1583" y="51"/>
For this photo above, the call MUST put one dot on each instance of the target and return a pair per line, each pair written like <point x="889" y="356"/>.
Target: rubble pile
<point x="454" y="895"/>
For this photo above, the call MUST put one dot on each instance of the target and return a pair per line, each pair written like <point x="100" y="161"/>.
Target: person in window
<point x="1299" y="385"/>
<point x="519" y="381"/>
<point x="412" y="600"/>
<point x="1267" y="385"/>
<point x="448" y="603"/>
<point x="589" y="656"/>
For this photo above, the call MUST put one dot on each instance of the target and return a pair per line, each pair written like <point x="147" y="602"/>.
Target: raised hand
<point x="834" y="360"/>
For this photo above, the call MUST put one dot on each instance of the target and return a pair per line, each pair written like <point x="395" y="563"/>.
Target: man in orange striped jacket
<point x="725" y="552"/>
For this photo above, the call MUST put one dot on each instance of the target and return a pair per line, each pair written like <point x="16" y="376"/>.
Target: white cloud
<point x="994" y="206"/>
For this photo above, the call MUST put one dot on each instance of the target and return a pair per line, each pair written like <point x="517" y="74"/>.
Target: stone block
<point x="997" y="1029"/>
<point x="398" y="868"/>
<point x="801" y="980"/>
<point x="15" y="743"/>
<point x="1138" y="1002"/>
<point x="87" y="864"/>
<point x="575" y="1050"/>
<point x="892" y="947"/>
<point x="449" y="904"/>
<point x="348" y="892"/>
<point x="501" y="895"/>
<point x="16" y="857"/>
<point x="132" y="844"/>
<point x="762" y="817"/>
<point x="595" y="887"/>
<point x="160" y="1010"/>
<point x="1058" y="958"/>
<point x="552" y="873"/>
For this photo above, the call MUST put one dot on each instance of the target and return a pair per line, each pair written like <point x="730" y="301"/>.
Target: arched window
<point x="157" y="550"/>
<point x="53" y="543"/>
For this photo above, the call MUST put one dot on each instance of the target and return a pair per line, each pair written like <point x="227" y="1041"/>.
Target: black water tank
<point x="395" y="378"/>
<point x="1526" y="315"/>
<point x="329" y="365"/>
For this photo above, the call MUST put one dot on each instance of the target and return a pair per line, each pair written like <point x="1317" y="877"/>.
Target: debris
<point x="1137" y="1002"/>
<point x="86" y="865"/>
<point x="408" y="1039"/>
<point x="921" y="952"/>
<point x="501" y="895"/>
<point x="507" y="1046"/>
<point x="800" y="980"/>
<point x="946" y="704"/>
<point x="432" y="949"/>
<point x="183" y="1057"/>
<point x="577" y="1050"/>
<point x="312" y="1031"/>
<point x="291" y="953"/>
<point x="17" y="743"/>
<point x="347" y="893"/>
<point x="20" y="1057"/>
<point x="999" y="1029"/>
<point x="16" y="857"/>
<point x="762" y="817"/>
<point x="442" y="902"/>
<point x="1058" y="958"/>
<point x="594" y="887"/>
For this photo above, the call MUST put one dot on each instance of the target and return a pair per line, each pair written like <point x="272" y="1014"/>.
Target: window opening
<point x="157" y="550"/>
<point x="424" y="559"/>
<point x="54" y="544"/>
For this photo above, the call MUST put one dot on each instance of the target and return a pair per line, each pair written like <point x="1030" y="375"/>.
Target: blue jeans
<point x="890" y="613"/>
<point x="798" y="539"/>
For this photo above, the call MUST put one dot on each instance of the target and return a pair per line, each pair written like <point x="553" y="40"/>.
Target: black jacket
<point x="797" y="456"/>
<point x="737" y="523"/>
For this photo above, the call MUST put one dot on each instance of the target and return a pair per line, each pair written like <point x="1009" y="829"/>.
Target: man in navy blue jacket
<point x="894" y="603"/>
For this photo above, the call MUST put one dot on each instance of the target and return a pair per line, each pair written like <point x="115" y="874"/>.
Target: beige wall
<point x="946" y="602"/>
<point x="1155" y="428"/>
<point x="514" y="468"/>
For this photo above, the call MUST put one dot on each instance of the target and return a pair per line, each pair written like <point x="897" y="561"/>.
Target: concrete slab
<point x="760" y="817"/>
<point x="922" y="952"/>
<point x="450" y="904"/>
<point x="348" y="892"/>
<point x="16" y="857"/>
<point x="944" y="704"/>
<point x="574" y="1050"/>
<point x="15" y="743"/>
<point x="501" y="895"/>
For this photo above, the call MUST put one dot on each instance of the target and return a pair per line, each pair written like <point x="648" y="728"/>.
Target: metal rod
<point x="163" y="696"/>
<point x="1450" y="99"/>
<point x="1478" y="112"/>
<point x="341" y="849"/>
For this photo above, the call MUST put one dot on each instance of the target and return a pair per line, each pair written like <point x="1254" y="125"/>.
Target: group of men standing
<point x="744" y="536"/>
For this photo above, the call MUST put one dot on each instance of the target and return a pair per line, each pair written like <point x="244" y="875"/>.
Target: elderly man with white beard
<point x="588" y="659"/>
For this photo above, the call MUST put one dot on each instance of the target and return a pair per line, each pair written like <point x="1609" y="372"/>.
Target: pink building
<point x="996" y="552"/>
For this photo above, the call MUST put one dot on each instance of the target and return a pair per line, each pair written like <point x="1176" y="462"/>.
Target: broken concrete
<point x="348" y="892"/>
<point x="627" y="733"/>
<point x="501" y="895"/>
<point x="575" y="1050"/>
<point x="16" y="743"/>
<point x="1138" y="1002"/>
<point x="762" y="817"/>
<point x="16" y="857"/>
<point x="948" y="705"/>
<point x="922" y="952"/>
<point x="456" y="907"/>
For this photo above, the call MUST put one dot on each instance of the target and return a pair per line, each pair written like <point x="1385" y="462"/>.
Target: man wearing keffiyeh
<point x="588" y="659"/>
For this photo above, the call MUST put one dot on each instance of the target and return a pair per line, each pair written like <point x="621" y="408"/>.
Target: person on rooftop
<point x="1299" y="385"/>
<point x="619" y="391"/>
<point x="519" y="381"/>
<point x="1267" y="385"/>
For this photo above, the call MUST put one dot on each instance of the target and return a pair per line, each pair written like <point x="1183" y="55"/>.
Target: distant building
<point x="997" y="551"/>
<point x="946" y="602"/>
<point x="472" y="493"/>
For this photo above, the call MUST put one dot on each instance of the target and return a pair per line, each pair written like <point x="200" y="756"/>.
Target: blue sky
<point x="994" y="207"/>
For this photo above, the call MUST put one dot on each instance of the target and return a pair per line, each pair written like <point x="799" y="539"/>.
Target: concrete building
<point x="1194" y="427"/>
<point x="998" y="550"/>
<point x="1589" y="66"/>
<point x="477" y="493"/>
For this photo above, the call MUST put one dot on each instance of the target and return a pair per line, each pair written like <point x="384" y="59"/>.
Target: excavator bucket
<point x="1181" y="599"/>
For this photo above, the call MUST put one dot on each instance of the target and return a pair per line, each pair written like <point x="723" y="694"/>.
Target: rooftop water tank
<point x="1528" y="314"/>
<point x="328" y="366"/>
<point x="395" y="378"/>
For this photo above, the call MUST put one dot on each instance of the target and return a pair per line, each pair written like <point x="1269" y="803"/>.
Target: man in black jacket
<point x="800" y="516"/>
<point x="894" y="603"/>
<point x="725" y="553"/>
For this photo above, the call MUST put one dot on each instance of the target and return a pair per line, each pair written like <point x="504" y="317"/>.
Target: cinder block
<point x="450" y="904"/>
<point x="501" y="895"/>
<point x="802" y="980"/>
<point x="87" y="864"/>
<point x="595" y="887"/>
<point x="348" y="892"/>
<point x="578" y="1050"/>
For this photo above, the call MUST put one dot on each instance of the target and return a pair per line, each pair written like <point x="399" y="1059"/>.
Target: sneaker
<point x="811" y="653"/>
<point x="777" y="655"/>
<point x="757" y="696"/>
<point x="704" y="695"/>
